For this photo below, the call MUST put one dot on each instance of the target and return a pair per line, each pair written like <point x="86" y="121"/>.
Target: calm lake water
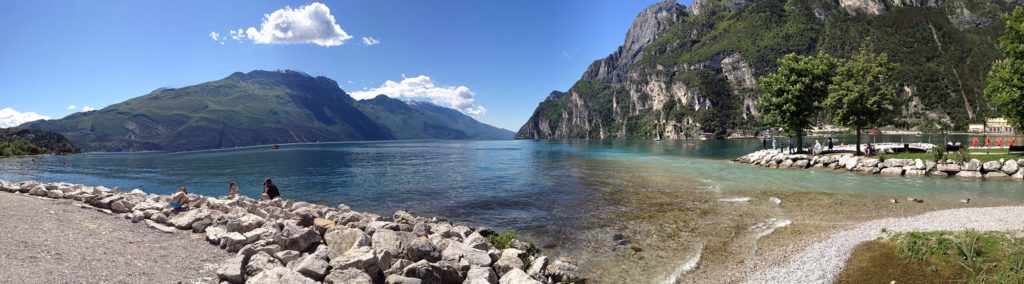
<point x="536" y="187"/>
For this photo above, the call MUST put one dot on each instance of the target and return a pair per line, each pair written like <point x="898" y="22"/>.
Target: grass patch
<point x="502" y="240"/>
<point x="938" y="257"/>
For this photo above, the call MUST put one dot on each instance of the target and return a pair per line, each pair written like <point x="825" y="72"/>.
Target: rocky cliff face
<point x="681" y="72"/>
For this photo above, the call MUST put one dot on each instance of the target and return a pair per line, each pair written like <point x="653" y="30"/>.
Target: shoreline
<point x="822" y="261"/>
<point x="972" y="169"/>
<point x="300" y="242"/>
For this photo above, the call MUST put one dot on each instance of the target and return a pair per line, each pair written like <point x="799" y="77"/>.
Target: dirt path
<point x="53" y="241"/>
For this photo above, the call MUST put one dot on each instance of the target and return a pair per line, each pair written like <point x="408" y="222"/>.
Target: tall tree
<point x="793" y="94"/>
<point x="862" y="93"/>
<point x="1006" y="79"/>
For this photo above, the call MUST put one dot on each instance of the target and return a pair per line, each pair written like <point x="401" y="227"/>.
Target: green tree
<point x="1006" y="78"/>
<point x="793" y="94"/>
<point x="862" y="93"/>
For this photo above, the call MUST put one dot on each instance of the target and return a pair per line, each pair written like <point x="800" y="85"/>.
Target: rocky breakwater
<point x="1001" y="169"/>
<point x="299" y="242"/>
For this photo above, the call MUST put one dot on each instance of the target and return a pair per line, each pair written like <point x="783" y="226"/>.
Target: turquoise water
<point x="522" y="184"/>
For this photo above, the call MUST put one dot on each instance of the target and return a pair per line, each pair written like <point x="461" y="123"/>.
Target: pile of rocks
<point x="298" y="242"/>
<point x="974" y="168"/>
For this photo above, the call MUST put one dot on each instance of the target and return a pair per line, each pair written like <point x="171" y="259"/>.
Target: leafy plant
<point x="792" y="95"/>
<point x="1005" y="88"/>
<point x="939" y="152"/>
<point x="862" y="94"/>
<point x="502" y="240"/>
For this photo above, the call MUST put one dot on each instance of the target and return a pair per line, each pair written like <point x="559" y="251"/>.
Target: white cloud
<point x="10" y="117"/>
<point x="237" y="35"/>
<point x="423" y="88"/>
<point x="215" y="36"/>
<point x="311" y="23"/>
<point x="370" y="41"/>
<point x="72" y="107"/>
<point x="87" y="108"/>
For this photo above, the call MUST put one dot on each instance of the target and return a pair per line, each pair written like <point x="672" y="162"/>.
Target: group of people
<point x="270" y="193"/>
<point x="790" y="148"/>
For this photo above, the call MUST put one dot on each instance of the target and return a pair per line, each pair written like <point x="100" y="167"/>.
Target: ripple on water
<point x="687" y="265"/>
<point x="767" y="227"/>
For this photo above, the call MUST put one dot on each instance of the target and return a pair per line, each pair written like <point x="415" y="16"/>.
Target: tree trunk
<point x="799" y="141"/>
<point x="858" y="142"/>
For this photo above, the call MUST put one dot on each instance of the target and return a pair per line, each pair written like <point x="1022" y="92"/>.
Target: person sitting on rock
<point x="232" y="190"/>
<point x="270" y="190"/>
<point x="179" y="199"/>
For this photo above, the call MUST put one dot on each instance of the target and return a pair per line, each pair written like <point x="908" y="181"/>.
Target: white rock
<point x="480" y="275"/>
<point x="279" y="275"/>
<point x="517" y="276"/>
<point x="348" y="276"/>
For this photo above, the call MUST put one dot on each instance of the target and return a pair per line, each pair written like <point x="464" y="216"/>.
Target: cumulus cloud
<point x="311" y="23"/>
<point x="72" y="107"/>
<point x="217" y="38"/>
<point x="422" y="88"/>
<point x="237" y="35"/>
<point x="370" y="41"/>
<point x="87" y="108"/>
<point x="10" y="117"/>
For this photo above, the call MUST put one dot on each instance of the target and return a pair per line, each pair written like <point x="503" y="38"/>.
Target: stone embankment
<point x="1002" y="169"/>
<point x="298" y="242"/>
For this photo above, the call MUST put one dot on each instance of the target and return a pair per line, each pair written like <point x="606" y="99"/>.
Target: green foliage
<point x="939" y="153"/>
<point x="1005" y="84"/>
<point x="974" y="257"/>
<point x="793" y="94"/>
<point x="18" y="142"/>
<point x="862" y="93"/>
<point x="502" y="240"/>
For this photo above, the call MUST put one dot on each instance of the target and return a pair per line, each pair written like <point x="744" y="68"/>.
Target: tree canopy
<point x="862" y="93"/>
<point x="793" y="94"/>
<point x="1006" y="78"/>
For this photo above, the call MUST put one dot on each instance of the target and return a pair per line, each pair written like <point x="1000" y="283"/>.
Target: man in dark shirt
<point x="270" y="190"/>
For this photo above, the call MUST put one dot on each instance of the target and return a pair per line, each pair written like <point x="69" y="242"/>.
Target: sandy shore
<point x="52" y="241"/>
<point x="822" y="261"/>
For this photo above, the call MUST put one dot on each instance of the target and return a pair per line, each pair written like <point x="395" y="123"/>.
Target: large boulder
<point x="341" y="240"/>
<point x="456" y="251"/>
<point x="509" y="260"/>
<point x="214" y="234"/>
<point x="244" y="223"/>
<point x="892" y="172"/>
<point x="279" y="275"/>
<point x="517" y="276"/>
<point x="481" y="275"/>
<point x="969" y="174"/>
<point x="992" y="166"/>
<point x="1010" y="167"/>
<point x="392" y="241"/>
<point x="348" y="276"/>
<point x="399" y="279"/>
<point x="232" y="270"/>
<point x="314" y="265"/>
<point x="362" y="258"/>
<point x="429" y="273"/>
<point x="232" y="242"/>
<point x="421" y="249"/>
<point x="801" y="164"/>
<point x="185" y="219"/>
<point x="297" y="238"/>
<point x="260" y="262"/>
<point x="537" y="266"/>
<point x="972" y="165"/>
<point x="996" y="175"/>
<point x="948" y="168"/>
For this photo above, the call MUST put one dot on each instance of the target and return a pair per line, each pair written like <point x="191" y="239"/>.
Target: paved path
<point x="53" y="241"/>
<point x="821" y="262"/>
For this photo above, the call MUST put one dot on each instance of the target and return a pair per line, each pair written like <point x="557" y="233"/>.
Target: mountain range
<point x="257" y="108"/>
<point x="685" y="71"/>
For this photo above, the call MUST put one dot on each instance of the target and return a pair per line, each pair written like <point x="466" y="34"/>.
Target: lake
<point x="569" y="196"/>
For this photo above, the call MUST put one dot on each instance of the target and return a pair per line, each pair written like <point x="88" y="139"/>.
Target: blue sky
<point x="504" y="55"/>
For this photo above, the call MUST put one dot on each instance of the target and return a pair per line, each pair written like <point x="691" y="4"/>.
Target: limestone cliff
<point x="685" y="71"/>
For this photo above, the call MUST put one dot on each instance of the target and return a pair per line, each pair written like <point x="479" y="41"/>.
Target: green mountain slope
<point x="16" y="142"/>
<point x="417" y="120"/>
<point x="255" y="108"/>
<point x="681" y="71"/>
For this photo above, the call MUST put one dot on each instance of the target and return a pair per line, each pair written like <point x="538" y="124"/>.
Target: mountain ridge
<point x="246" y="109"/>
<point x="698" y="66"/>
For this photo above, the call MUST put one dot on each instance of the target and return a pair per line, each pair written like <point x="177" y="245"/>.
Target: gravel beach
<point x="52" y="241"/>
<point x="822" y="261"/>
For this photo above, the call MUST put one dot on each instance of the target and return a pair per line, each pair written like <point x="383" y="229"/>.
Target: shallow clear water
<point x="568" y="195"/>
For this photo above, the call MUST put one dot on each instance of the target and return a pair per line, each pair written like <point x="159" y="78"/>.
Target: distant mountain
<point x="256" y="108"/>
<point x="682" y="71"/>
<point x="16" y="142"/>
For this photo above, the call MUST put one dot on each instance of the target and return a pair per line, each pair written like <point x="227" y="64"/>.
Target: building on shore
<point x="997" y="125"/>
